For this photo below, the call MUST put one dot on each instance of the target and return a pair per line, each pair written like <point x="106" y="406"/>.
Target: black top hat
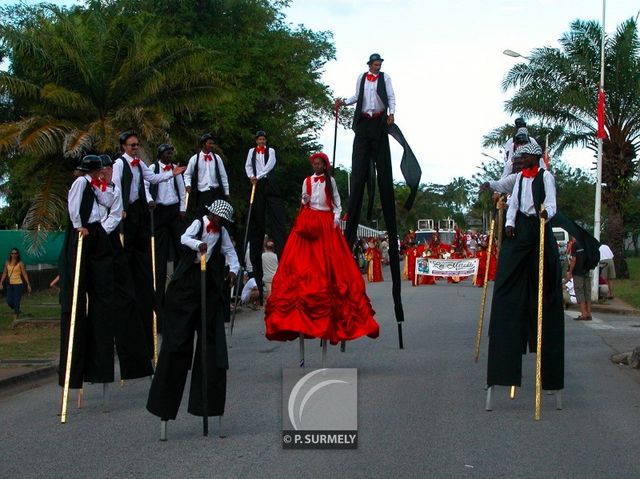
<point x="375" y="57"/>
<point x="164" y="147"/>
<point x="207" y="136"/>
<point x="90" y="163"/>
<point x="260" y="133"/>
<point x="106" y="160"/>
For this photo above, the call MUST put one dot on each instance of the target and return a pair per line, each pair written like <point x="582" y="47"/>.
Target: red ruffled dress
<point x="318" y="290"/>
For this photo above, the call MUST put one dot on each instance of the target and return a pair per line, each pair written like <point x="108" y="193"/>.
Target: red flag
<point x="600" y="114"/>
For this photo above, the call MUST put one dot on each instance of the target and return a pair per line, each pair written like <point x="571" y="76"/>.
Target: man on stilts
<point x="259" y="168"/>
<point x="513" y="323"/>
<point x="169" y="209"/>
<point x="205" y="236"/>
<point x="373" y="121"/>
<point x="132" y="176"/>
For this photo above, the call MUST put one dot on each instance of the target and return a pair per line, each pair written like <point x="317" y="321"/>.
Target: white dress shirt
<point x="111" y="217"/>
<point x="74" y="199"/>
<point x="148" y="175"/>
<point x="189" y="239"/>
<point x="527" y="206"/>
<point x="318" y="199"/>
<point x="505" y="184"/>
<point x="207" y="173"/>
<point x="371" y="102"/>
<point x="262" y="170"/>
<point x="167" y="194"/>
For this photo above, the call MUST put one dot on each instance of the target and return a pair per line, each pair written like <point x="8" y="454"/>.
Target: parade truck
<point x="428" y="227"/>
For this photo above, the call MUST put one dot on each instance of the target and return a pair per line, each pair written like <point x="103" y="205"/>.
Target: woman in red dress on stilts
<point x="318" y="290"/>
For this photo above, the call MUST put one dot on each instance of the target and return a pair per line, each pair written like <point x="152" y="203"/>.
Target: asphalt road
<point x="421" y="410"/>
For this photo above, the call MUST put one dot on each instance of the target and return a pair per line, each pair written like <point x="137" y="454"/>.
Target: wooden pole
<point x="72" y="328"/>
<point x="484" y="291"/>
<point x="537" y="412"/>
<point x="203" y="343"/>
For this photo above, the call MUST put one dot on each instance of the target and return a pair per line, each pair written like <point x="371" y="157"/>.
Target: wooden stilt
<point x="324" y="352"/>
<point x="80" y="400"/>
<point x="220" y="433"/>
<point x="301" y="360"/>
<point x="488" y="406"/>
<point x="512" y="392"/>
<point x="163" y="430"/>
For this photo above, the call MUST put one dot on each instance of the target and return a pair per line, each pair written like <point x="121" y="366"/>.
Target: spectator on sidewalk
<point x="607" y="267"/>
<point x="581" y="281"/>
<point x="17" y="276"/>
<point x="269" y="266"/>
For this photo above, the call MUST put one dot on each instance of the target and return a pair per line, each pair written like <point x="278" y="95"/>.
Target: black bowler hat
<point x="207" y="136"/>
<point x="520" y="123"/>
<point x="164" y="147"/>
<point x="90" y="163"/>
<point x="106" y="160"/>
<point x="260" y="133"/>
<point x="375" y="57"/>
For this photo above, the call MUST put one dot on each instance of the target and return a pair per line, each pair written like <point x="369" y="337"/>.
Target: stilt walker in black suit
<point x="92" y="359"/>
<point x="205" y="236"/>
<point x="132" y="176"/>
<point x="168" y="209"/>
<point x="259" y="167"/>
<point x="513" y="324"/>
<point x="373" y="122"/>
<point x="130" y="337"/>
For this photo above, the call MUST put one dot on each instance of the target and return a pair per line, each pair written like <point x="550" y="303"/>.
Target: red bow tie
<point x="530" y="172"/>
<point x="318" y="178"/>
<point x="372" y="76"/>
<point x="260" y="150"/>
<point x="98" y="183"/>
<point x="208" y="157"/>
<point x="168" y="167"/>
<point x="135" y="161"/>
<point x="211" y="228"/>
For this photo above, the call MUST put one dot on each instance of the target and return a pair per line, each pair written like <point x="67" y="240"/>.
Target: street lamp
<point x="511" y="53"/>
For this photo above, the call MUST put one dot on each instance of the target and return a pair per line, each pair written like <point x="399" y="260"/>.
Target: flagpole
<point x="598" y="199"/>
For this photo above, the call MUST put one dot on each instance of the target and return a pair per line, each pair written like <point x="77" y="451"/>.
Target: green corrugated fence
<point x="47" y="252"/>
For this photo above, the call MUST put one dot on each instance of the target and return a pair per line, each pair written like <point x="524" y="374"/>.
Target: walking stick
<point x="335" y="139"/>
<point x="72" y="327"/>
<point x="153" y="274"/>
<point x="203" y="342"/>
<point x="244" y="250"/>
<point x="500" y="205"/>
<point x="484" y="291"/>
<point x="539" y="336"/>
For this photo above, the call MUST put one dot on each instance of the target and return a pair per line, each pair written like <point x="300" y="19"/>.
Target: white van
<point x="562" y="238"/>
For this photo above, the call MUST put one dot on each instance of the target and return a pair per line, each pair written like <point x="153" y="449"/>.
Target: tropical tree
<point x="558" y="87"/>
<point x="77" y="78"/>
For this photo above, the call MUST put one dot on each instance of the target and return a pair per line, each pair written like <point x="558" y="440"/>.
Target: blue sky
<point x="446" y="63"/>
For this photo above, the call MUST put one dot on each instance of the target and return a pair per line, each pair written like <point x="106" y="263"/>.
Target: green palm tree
<point x="558" y="87"/>
<point x="78" y="78"/>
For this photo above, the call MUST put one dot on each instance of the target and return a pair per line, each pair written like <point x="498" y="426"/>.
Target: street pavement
<point x="420" y="410"/>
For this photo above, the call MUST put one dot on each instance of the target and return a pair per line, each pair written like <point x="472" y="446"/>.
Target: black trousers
<point x="205" y="198"/>
<point x="130" y="337"/>
<point x="267" y="202"/>
<point x="137" y="252"/>
<point x="514" y="308"/>
<point x="169" y="226"/>
<point x="92" y="359"/>
<point x="182" y="320"/>
<point x="371" y="149"/>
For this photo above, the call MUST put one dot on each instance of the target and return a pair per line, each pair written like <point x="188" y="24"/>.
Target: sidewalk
<point x="610" y="306"/>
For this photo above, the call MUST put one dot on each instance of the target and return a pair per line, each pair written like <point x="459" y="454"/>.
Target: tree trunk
<point x="615" y="235"/>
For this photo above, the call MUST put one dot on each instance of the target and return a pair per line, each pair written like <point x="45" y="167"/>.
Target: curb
<point x="31" y="376"/>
